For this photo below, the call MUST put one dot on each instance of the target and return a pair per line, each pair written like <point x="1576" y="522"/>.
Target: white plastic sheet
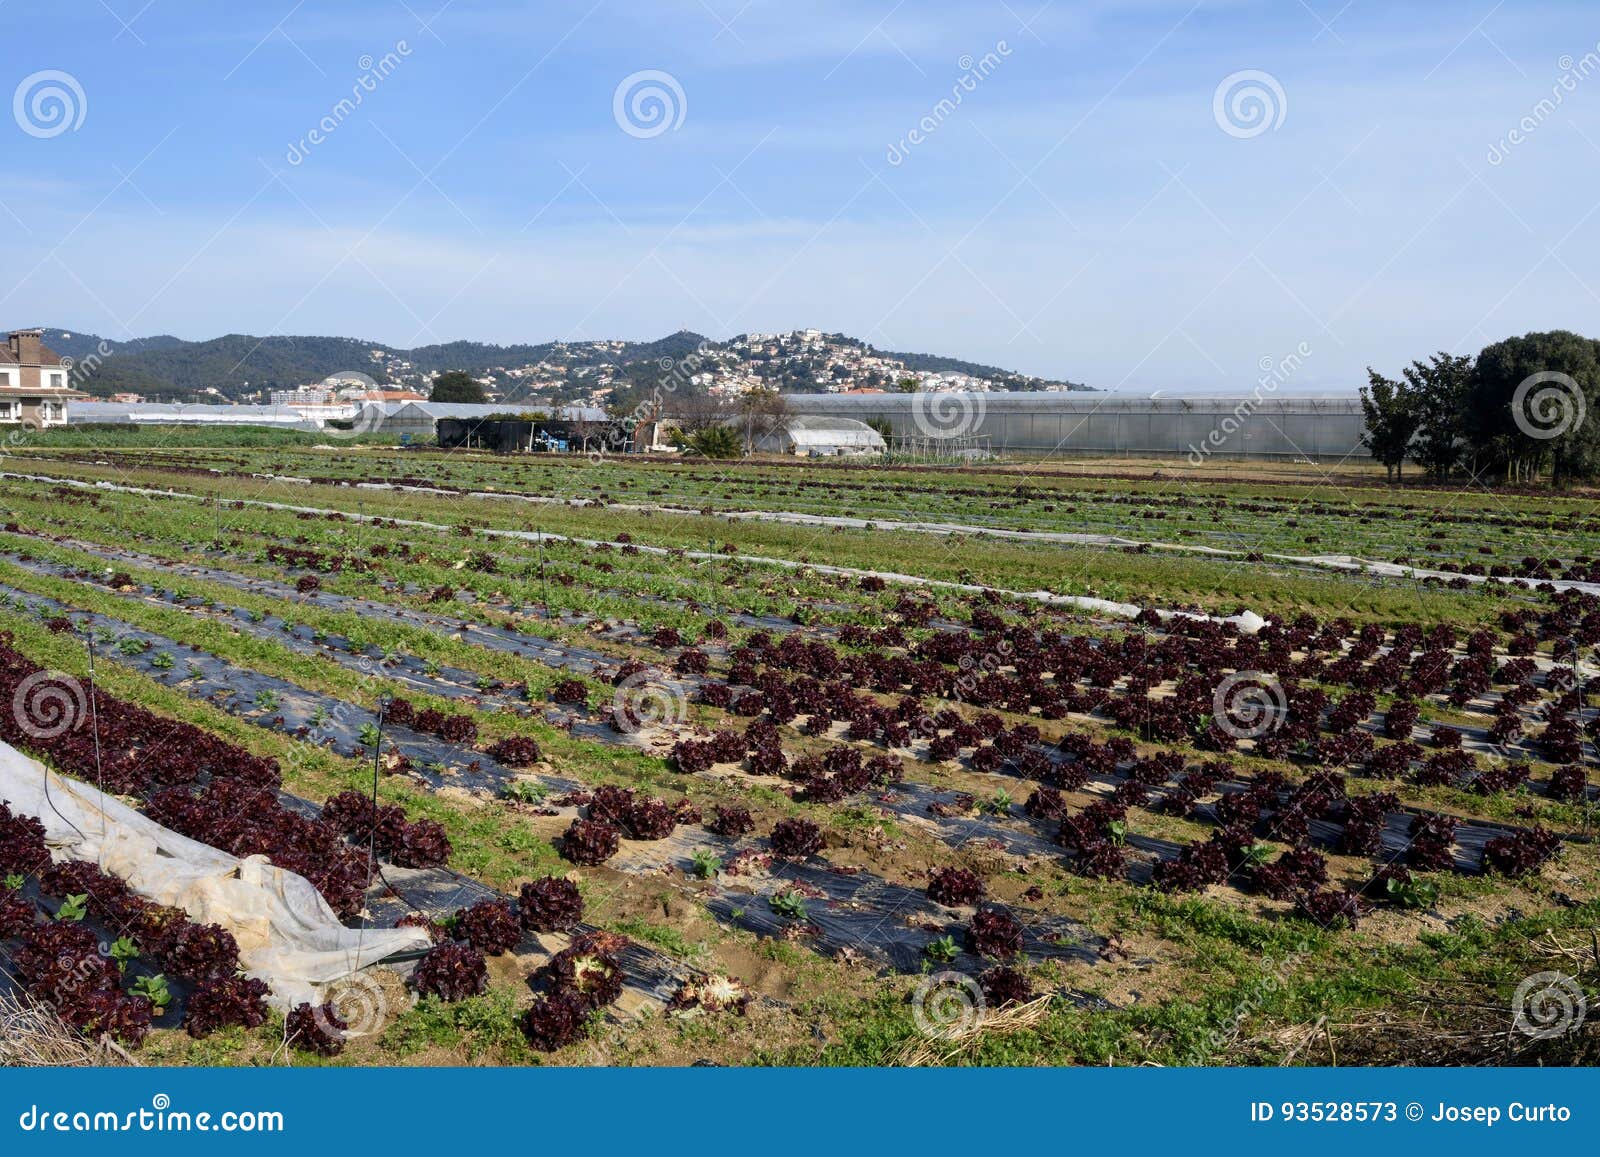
<point x="287" y="934"/>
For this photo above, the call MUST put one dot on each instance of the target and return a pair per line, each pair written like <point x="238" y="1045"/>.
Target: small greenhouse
<point x="820" y="436"/>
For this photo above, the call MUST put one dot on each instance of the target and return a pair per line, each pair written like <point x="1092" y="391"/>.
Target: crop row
<point x="997" y="500"/>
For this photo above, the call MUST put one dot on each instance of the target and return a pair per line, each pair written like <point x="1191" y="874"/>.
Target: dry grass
<point x="32" y="1036"/>
<point x="922" y="1051"/>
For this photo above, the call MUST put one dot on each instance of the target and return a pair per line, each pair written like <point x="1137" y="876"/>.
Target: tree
<point x="457" y="387"/>
<point x="1438" y="391"/>
<point x="1530" y="406"/>
<point x="713" y="442"/>
<point x="761" y="412"/>
<point x="586" y="431"/>
<point x="692" y="413"/>
<point x="1392" y="418"/>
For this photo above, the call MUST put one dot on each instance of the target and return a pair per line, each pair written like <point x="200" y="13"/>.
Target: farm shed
<point x="422" y="418"/>
<point x="566" y="428"/>
<point x="1252" y="424"/>
<point x="820" y="435"/>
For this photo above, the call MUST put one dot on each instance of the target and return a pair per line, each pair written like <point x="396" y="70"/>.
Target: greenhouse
<point x="1251" y="425"/>
<point x="821" y="436"/>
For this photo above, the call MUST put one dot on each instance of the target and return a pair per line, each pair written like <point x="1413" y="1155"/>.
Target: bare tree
<point x="585" y="430"/>
<point x="762" y="413"/>
<point x="692" y="413"/>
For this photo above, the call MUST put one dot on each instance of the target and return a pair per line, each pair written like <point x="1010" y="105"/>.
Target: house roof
<point x="47" y="357"/>
<point x="387" y="396"/>
<point x="54" y="393"/>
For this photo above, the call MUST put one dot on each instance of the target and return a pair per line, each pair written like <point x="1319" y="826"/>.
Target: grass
<point x="1163" y="579"/>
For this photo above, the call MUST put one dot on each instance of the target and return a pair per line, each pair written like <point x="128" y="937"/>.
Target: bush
<point x="224" y="1002"/>
<point x="550" y="905"/>
<point x="590" y="842"/>
<point x="451" y="972"/>
<point x="714" y="442"/>
<point x="587" y="971"/>
<point x="489" y="926"/>
<point x="1003" y="985"/>
<point x="555" y="1021"/>
<point x="319" y="1030"/>
<point x="955" y="887"/>
<point x="516" y="751"/>
<point x="796" y="839"/>
<point x="995" y="934"/>
<point x="732" y="821"/>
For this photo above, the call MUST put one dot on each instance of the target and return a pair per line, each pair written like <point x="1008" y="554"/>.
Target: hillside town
<point x="799" y="361"/>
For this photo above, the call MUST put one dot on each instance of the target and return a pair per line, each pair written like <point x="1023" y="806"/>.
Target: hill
<point x="241" y="367"/>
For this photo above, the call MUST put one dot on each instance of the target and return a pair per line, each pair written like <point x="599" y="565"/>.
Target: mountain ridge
<point x="241" y="367"/>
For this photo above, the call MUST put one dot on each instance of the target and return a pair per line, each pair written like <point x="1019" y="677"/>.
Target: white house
<point x="33" y="382"/>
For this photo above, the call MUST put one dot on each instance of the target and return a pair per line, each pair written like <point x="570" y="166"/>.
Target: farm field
<point x="1321" y="511"/>
<point x="777" y="763"/>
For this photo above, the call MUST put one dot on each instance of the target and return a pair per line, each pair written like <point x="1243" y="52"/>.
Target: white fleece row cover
<point x="287" y="934"/>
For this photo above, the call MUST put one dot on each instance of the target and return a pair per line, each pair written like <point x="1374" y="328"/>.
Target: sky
<point x="1140" y="196"/>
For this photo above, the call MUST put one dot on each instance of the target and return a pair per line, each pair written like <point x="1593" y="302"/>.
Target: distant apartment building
<point x="302" y="396"/>
<point x="33" y="382"/>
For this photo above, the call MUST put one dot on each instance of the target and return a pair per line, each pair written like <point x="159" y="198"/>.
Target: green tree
<point x="1391" y="412"/>
<point x="457" y="386"/>
<point x="1439" y="389"/>
<point x="1531" y="407"/>
<point x="714" y="442"/>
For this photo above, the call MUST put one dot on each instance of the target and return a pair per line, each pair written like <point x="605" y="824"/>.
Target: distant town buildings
<point x="302" y="396"/>
<point x="598" y="373"/>
<point x="324" y="402"/>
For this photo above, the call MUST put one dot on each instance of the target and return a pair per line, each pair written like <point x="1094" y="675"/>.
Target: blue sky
<point x="1081" y="212"/>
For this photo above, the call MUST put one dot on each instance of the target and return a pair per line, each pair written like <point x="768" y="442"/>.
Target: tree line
<point x="1517" y="412"/>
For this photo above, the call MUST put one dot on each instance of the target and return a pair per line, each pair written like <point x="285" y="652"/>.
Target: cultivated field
<point x="771" y="762"/>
